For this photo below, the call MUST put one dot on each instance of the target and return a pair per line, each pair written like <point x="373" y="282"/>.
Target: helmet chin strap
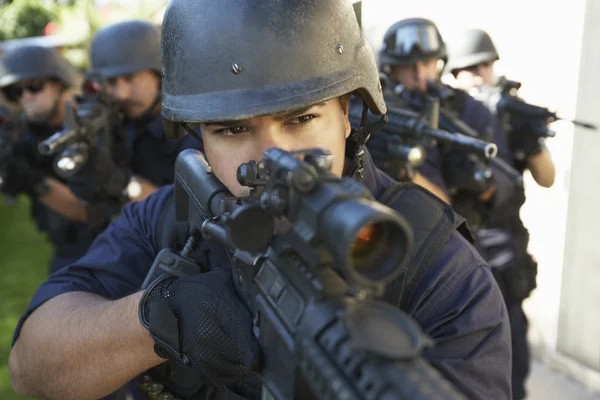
<point x="356" y="141"/>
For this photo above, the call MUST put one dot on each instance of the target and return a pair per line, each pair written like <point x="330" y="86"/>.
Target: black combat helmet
<point x="125" y="47"/>
<point x="34" y="62"/>
<point x="409" y="41"/>
<point x="470" y="47"/>
<point x="235" y="59"/>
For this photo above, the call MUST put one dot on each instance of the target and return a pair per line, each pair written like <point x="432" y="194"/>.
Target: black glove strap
<point x="156" y="316"/>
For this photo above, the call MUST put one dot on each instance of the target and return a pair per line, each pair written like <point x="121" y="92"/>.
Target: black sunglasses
<point x="14" y="92"/>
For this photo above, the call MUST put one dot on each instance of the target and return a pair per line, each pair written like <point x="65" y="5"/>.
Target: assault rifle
<point x="525" y="117"/>
<point x="92" y="121"/>
<point x="449" y="121"/>
<point x="318" y="250"/>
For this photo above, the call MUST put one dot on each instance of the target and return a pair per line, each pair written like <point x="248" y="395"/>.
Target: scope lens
<point x="371" y="248"/>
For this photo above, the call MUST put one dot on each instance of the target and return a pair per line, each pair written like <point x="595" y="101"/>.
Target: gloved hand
<point x="200" y="322"/>
<point x="21" y="177"/>
<point x="525" y="143"/>
<point x="100" y="178"/>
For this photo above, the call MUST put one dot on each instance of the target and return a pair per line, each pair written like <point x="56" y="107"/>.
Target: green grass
<point x="24" y="259"/>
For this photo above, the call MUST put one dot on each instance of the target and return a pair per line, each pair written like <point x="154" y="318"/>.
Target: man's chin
<point x="36" y="118"/>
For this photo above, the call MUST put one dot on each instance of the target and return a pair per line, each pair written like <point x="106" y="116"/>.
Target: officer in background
<point x="127" y="56"/>
<point x="504" y="245"/>
<point x="39" y="80"/>
<point x="411" y="60"/>
<point x="473" y="55"/>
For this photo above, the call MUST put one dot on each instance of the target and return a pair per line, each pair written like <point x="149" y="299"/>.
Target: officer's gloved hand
<point x="526" y="143"/>
<point x="100" y="178"/>
<point x="199" y="321"/>
<point x="21" y="177"/>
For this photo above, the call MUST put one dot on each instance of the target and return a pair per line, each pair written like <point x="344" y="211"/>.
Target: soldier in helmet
<point x="410" y="56"/>
<point x="411" y="60"/>
<point x="127" y="56"/>
<point x="472" y="56"/>
<point x="39" y="80"/>
<point x="293" y="94"/>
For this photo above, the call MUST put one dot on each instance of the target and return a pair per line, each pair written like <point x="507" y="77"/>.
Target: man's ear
<point x="345" y="103"/>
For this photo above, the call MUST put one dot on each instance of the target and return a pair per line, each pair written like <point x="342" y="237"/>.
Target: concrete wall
<point x="540" y="44"/>
<point x="579" y="322"/>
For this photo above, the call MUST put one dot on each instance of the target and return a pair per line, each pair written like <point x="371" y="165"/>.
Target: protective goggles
<point x="404" y="41"/>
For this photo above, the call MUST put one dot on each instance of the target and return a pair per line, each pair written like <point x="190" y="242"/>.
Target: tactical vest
<point x="432" y="222"/>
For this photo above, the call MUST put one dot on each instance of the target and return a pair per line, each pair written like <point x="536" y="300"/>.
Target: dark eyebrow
<point x="279" y="116"/>
<point x="296" y="112"/>
<point x="228" y="124"/>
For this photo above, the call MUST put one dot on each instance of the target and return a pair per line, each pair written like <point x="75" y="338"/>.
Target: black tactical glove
<point x="200" y="322"/>
<point x="525" y="143"/>
<point x="21" y="177"/>
<point x="100" y="179"/>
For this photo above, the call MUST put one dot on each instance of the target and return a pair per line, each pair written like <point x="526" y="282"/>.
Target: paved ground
<point x="545" y="384"/>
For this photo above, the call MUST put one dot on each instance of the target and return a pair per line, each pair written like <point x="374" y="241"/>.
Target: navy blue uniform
<point x="520" y="268"/>
<point x="513" y="266"/>
<point x="458" y="302"/>
<point x="150" y="155"/>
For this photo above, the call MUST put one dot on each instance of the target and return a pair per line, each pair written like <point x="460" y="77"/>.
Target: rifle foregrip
<point x="418" y="380"/>
<point x="334" y="369"/>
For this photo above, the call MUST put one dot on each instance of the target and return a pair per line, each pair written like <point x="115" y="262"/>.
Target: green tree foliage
<point x="25" y="18"/>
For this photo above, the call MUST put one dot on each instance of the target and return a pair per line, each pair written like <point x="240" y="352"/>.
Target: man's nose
<point x="420" y="76"/>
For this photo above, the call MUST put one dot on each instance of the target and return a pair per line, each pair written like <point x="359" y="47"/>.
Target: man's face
<point x="231" y="143"/>
<point x="415" y="76"/>
<point x="36" y="97"/>
<point x="137" y="91"/>
<point x="475" y="76"/>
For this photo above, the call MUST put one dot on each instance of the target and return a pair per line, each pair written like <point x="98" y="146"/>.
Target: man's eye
<point x="303" y="119"/>
<point x="232" y="131"/>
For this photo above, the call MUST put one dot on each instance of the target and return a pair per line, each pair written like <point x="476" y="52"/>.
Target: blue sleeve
<point x="117" y="262"/>
<point x="467" y="319"/>
<point x="431" y="169"/>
